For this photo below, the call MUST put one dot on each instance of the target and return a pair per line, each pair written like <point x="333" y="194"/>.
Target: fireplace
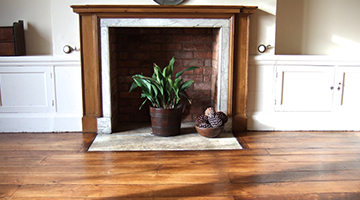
<point x="133" y="50"/>
<point x="223" y="71"/>
<point x="131" y="46"/>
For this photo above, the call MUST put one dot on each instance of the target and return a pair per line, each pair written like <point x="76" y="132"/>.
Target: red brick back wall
<point x="134" y="50"/>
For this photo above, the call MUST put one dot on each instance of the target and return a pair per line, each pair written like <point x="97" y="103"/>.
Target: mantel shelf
<point x="163" y="9"/>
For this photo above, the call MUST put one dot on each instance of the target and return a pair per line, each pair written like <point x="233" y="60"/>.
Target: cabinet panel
<point x="29" y="89"/>
<point x="304" y="88"/>
<point x="68" y="89"/>
<point x="348" y="87"/>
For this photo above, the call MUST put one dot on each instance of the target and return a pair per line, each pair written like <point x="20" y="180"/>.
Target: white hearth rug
<point x="143" y="140"/>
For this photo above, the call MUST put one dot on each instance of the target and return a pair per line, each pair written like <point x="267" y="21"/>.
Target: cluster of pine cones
<point x="211" y="119"/>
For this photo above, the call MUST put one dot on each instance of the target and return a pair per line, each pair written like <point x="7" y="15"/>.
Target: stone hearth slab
<point x="143" y="140"/>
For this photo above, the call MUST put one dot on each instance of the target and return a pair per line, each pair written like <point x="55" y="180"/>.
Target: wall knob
<point x="262" y="48"/>
<point x="68" y="49"/>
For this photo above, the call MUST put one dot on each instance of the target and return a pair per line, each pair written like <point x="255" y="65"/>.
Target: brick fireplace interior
<point x="134" y="50"/>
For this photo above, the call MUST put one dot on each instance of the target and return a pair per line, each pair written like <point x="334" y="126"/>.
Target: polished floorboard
<point x="274" y="165"/>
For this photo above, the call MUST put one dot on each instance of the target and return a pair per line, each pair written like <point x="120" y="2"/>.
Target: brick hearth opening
<point x="134" y="50"/>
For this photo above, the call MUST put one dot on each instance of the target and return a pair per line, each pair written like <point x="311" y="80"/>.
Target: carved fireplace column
<point x="90" y="15"/>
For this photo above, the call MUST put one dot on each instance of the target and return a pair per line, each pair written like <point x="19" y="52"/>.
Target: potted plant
<point x="164" y="91"/>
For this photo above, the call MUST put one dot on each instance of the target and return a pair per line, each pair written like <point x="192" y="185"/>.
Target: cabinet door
<point x="347" y="88"/>
<point x="26" y="89"/>
<point x="304" y="88"/>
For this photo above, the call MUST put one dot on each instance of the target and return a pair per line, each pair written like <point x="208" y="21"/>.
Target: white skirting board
<point x="302" y="121"/>
<point x="39" y="123"/>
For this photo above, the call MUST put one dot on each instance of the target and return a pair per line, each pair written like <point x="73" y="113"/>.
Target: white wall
<point x="331" y="27"/>
<point x="318" y="27"/>
<point x="289" y="27"/>
<point x="305" y="27"/>
<point x="52" y="24"/>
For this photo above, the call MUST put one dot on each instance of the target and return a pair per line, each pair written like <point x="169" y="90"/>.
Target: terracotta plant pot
<point x="165" y="122"/>
<point x="210" y="132"/>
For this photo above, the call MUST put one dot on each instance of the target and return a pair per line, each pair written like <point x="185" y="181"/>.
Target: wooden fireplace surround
<point x="90" y="16"/>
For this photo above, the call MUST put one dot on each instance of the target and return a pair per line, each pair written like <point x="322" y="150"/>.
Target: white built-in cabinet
<point x="40" y="94"/>
<point x="304" y="93"/>
<point x="317" y="88"/>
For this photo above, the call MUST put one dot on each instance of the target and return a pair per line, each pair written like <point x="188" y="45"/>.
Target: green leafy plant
<point x="161" y="89"/>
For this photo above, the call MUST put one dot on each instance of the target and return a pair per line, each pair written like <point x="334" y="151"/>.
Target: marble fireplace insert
<point x="95" y="21"/>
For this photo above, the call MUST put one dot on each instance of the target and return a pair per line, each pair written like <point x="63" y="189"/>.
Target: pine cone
<point x="201" y="119"/>
<point x="204" y="125"/>
<point x="222" y="116"/>
<point x="215" y="121"/>
<point x="210" y="112"/>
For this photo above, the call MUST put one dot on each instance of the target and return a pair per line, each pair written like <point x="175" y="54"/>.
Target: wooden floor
<point x="276" y="165"/>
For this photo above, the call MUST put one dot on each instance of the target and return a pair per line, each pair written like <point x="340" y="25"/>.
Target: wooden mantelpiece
<point x="90" y="16"/>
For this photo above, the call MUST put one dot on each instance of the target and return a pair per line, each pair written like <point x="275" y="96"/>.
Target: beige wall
<point x="318" y="27"/>
<point x="289" y="26"/>
<point x="305" y="27"/>
<point x="36" y="16"/>
<point x="51" y="24"/>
